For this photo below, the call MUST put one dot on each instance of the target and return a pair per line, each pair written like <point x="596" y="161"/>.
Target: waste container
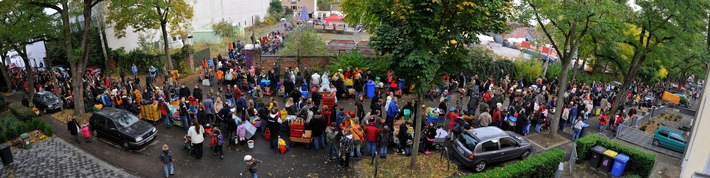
<point x="26" y="141"/>
<point x="5" y="154"/>
<point x="377" y="79"/>
<point x="619" y="165"/>
<point x="370" y="88"/>
<point x="608" y="160"/>
<point x="596" y="158"/>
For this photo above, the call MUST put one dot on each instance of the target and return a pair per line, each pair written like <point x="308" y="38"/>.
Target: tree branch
<point x="47" y="5"/>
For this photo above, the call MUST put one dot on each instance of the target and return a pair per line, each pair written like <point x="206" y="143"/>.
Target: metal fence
<point x="573" y="158"/>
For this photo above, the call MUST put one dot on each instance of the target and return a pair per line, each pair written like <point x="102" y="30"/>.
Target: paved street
<point x="57" y="158"/>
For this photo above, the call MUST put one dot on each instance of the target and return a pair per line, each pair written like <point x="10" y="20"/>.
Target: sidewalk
<point x="57" y="158"/>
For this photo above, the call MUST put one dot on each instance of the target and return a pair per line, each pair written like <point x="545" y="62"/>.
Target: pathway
<point x="57" y="158"/>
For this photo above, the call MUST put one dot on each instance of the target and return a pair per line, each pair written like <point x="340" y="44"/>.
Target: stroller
<point x="188" y="145"/>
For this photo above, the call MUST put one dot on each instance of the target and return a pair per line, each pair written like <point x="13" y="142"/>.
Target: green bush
<point x="23" y="113"/>
<point x="42" y="125"/>
<point x="541" y="165"/>
<point x="11" y="127"/>
<point x="378" y="65"/>
<point x="640" y="162"/>
<point x="529" y="69"/>
<point x="3" y="104"/>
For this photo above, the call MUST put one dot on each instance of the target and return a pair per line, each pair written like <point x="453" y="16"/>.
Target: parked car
<point x="683" y="99"/>
<point x="93" y="70"/>
<point x="670" y="139"/>
<point x="122" y="127"/>
<point x="47" y="101"/>
<point x="488" y="145"/>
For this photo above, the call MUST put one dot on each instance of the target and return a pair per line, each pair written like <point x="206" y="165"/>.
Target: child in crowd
<point x="86" y="132"/>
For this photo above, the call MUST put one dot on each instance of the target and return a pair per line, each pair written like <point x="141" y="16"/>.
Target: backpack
<point x="220" y="140"/>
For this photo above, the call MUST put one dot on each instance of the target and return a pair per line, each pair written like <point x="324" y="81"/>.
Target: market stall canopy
<point x="333" y="18"/>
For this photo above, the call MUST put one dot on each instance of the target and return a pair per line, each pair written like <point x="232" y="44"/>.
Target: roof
<point x="485" y="133"/>
<point x="110" y="112"/>
<point x="519" y="33"/>
<point x="334" y="17"/>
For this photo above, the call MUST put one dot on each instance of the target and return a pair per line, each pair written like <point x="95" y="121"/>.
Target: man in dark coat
<point x="184" y="91"/>
<point x="197" y="93"/>
<point x="73" y="127"/>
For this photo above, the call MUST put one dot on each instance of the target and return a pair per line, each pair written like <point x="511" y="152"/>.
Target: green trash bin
<point x="26" y="141"/>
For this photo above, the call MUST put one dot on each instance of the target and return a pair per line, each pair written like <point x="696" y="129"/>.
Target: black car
<point x="122" y="127"/>
<point x="47" y="101"/>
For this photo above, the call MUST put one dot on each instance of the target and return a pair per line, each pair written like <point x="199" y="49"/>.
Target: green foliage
<point x="11" y="127"/>
<point x="640" y="162"/>
<point x="23" y="113"/>
<point x="304" y="41"/>
<point x="224" y="29"/>
<point x="528" y="69"/>
<point x="378" y="65"/>
<point x="3" y="104"/>
<point x="57" y="55"/>
<point x="41" y="125"/>
<point x="540" y="165"/>
<point x="275" y="9"/>
<point x="484" y="64"/>
<point x="148" y="14"/>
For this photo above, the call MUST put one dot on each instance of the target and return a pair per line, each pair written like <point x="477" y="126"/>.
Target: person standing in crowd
<point x="166" y="157"/>
<point x="332" y="137"/>
<point x="371" y="134"/>
<point x="317" y="125"/>
<point x="357" y="132"/>
<point x="346" y="146"/>
<point x="134" y="70"/>
<point x="578" y="125"/>
<point x="196" y="136"/>
<point x="384" y="141"/>
<point x="274" y="123"/>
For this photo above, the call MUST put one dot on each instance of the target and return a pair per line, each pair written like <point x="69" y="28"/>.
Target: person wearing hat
<point x="166" y="157"/>
<point x="251" y="166"/>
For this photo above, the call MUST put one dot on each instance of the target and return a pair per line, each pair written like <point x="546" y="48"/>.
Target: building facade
<point x="298" y="5"/>
<point x="696" y="161"/>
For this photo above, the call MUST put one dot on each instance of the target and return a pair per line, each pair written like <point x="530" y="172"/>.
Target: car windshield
<point x="126" y="120"/>
<point x="48" y="98"/>
<point x="467" y="140"/>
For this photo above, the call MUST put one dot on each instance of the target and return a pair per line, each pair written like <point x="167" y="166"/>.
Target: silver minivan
<point x="480" y="147"/>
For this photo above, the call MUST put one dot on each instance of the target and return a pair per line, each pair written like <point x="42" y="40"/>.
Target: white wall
<point x="34" y="51"/>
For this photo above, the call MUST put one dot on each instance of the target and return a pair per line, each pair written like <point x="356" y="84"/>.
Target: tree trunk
<point x="417" y="132"/>
<point x="30" y="73"/>
<point x="555" y="121"/>
<point x="166" y="46"/>
<point x="4" y="71"/>
<point x="620" y="97"/>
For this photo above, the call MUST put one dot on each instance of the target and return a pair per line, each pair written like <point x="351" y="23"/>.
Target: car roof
<point x="670" y="130"/>
<point x="485" y="133"/>
<point x="44" y="93"/>
<point x="110" y="112"/>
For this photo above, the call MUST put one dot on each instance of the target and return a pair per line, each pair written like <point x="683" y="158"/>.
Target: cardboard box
<point x="308" y="133"/>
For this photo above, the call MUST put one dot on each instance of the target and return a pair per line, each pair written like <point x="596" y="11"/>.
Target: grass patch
<point x="398" y="166"/>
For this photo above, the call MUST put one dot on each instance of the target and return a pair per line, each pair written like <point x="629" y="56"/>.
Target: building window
<point x="174" y="38"/>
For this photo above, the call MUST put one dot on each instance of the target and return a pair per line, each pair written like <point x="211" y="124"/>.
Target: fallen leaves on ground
<point x="398" y="166"/>
<point x="545" y="140"/>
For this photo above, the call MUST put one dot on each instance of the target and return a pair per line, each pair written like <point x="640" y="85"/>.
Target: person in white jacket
<point x="196" y="136"/>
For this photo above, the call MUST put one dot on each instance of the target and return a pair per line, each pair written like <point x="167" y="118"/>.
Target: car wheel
<point x="655" y="142"/>
<point x="95" y="133"/>
<point x="124" y="145"/>
<point x="437" y="146"/>
<point x="480" y="166"/>
<point x="525" y="154"/>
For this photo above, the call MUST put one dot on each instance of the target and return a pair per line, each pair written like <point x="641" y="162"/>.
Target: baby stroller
<point x="439" y="142"/>
<point x="188" y="145"/>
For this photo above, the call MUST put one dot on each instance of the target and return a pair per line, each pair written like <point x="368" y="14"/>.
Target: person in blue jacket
<point x="392" y="111"/>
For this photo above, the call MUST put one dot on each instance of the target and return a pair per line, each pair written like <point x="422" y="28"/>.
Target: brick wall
<point x="266" y="61"/>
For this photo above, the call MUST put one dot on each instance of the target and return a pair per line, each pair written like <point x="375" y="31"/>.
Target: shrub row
<point x="541" y="165"/>
<point x="3" y="103"/>
<point x="21" y="112"/>
<point x="640" y="162"/>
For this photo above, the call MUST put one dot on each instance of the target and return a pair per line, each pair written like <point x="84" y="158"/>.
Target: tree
<point x="660" y="24"/>
<point x="275" y="9"/>
<point x="572" y="21"/>
<point x="426" y="39"/>
<point x="77" y="64"/>
<point x="304" y="41"/>
<point x="225" y="30"/>
<point x="23" y="25"/>
<point x="150" y="14"/>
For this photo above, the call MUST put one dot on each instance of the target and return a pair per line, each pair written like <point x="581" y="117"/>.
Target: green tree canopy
<point x="224" y="29"/>
<point x="304" y="41"/>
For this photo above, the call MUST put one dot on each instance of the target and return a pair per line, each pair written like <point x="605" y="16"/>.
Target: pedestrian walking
<point x="577" y="128"/>
<point x="346" y="146"/>
<point x="251" y="166"/>
<point x="166" y="157"/>
<point x="74" y="128"/>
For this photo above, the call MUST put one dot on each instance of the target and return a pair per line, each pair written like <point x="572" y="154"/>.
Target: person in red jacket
<point x="371" y="132"/>
<point x="497" y="116"/>
<point x="603" y="119"/>
<point x="452" y="117"/>
<point x="163" y="107"/>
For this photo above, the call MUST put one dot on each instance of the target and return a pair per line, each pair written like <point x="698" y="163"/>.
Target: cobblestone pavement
<point x="57" y="158"/>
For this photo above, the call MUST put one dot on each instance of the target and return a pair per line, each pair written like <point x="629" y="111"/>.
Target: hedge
<point x="11" y="127"/>
<point x="41" y="125"/>
<point x="23" y="113"/>
<point x="3" y="104"/>
<point x="640" y="163"/>
<point x="541" y="165"/>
